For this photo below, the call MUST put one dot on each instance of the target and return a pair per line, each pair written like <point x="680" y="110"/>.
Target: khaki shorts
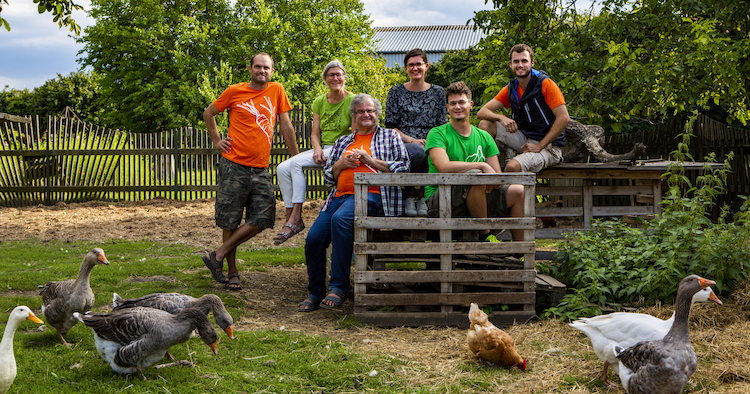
<point x="530" y="162"/>
<point x="247" y="190"/>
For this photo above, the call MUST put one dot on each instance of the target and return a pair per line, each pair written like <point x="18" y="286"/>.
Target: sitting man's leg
<point x="507" y="201"/>
<point x="535" y="162"/>
<point x="316" y="243"/>
<point x="342" y="241"/>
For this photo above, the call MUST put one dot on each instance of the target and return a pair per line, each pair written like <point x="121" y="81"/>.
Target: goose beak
<point x="33" y="318"/>
<point x="705" y="282"/>
<point x="230" y="331"/>
<point x="103" y="259"/>
<point x="714" y="298"/>
<point x="213" y="348"/>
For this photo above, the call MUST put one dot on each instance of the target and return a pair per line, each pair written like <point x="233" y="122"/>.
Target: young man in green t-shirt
<point x="458" y="146"/>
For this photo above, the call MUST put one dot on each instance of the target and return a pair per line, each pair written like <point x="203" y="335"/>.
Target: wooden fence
<point x="710" y="137"/>
<point x="48" y="160"/>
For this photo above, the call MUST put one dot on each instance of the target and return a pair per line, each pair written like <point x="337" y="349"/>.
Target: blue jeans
<point x="334" y="226"/>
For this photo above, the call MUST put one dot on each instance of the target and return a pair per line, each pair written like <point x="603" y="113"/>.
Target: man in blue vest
<point x="538" y="112"/>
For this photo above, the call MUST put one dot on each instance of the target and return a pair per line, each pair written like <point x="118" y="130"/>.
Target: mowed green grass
<point x="256" y="361"/>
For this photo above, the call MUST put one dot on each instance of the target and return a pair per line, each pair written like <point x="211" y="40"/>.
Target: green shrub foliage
<point x="615" y="263"/>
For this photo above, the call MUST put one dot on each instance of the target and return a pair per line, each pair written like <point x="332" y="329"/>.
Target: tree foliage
<point x="159" y="60"/>
<point x="61" y="9"/>
<point x="78" y="91"/>
<point x="636" y="61"/>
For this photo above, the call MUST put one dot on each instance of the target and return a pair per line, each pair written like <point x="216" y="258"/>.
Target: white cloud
<point x="418" y="13"/>
<point x="36" y="49"/>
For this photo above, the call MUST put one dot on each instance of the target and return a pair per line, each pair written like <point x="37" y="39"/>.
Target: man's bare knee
<point x="513" y="166"/>
<point x="489" y="126"/>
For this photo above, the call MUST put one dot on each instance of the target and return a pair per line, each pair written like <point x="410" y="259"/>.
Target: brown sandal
<point x="234" y="282"/>
<point x="282" y="237"/>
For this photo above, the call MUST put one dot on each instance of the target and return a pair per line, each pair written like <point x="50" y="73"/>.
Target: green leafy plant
<point x="615" y="263"/>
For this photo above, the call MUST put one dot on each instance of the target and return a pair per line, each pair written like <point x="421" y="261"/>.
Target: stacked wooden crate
<point x="443" y="276"/>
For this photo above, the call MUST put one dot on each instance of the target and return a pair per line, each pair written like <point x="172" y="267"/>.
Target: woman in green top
<point x="331" y="120"/>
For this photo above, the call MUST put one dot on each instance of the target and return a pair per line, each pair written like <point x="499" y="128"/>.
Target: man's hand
<point x="348" y="161"/>
<point x="362" y="156"/>
<point x="224" y="145"/>
<point x="509" y="124"/>
<point x="529" y="147"/>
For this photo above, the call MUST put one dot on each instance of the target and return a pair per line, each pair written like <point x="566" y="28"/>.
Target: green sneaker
<point x="492" y="238"/>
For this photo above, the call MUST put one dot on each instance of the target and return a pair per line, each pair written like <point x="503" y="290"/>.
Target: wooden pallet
<point x="431" y="279"/>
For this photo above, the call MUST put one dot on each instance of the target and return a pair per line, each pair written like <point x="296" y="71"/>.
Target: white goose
<point x="7" y="358"/>
<point x="135" y="338"/>
<point x="61" y="299"/>
<point x="663" y="366"/>
<point x="175" y="303"/>
<point x="625" y="329"/>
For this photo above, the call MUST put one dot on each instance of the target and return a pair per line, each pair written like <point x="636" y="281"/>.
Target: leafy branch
<point x="61" y="9"/>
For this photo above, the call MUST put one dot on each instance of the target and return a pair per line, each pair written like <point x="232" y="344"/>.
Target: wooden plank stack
<point x="450" y="274"/>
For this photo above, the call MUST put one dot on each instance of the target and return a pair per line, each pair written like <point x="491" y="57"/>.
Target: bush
<point x="614" y="263"/>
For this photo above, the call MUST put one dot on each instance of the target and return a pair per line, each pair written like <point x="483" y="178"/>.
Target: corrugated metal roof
<point x="429" y="38"/>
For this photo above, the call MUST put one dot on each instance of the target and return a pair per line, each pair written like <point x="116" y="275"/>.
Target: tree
<point x="636" y="62"/>
<point x="454" y="66"/>
<point x="61" y="9"/>
<point x="158" y="60"/>
<point x="77" y="91"/>
<point x="148" y="54"/>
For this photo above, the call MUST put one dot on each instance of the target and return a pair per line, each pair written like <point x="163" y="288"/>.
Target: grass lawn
<point x="275" y="360"/>
<point x="257" y="361"/>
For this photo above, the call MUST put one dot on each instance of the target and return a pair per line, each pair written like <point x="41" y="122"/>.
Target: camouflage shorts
<point x="247" y="190"/>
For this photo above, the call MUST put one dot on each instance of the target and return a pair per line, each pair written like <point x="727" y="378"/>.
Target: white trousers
<point x="291" y="178"/>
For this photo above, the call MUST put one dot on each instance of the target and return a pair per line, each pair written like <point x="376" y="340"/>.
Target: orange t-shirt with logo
<point x="252" y="116"/>
<point x="552" y="94"/>
<point x="345" y="181"/>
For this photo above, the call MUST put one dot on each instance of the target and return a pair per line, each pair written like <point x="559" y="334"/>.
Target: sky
<point x="36" y="50"/>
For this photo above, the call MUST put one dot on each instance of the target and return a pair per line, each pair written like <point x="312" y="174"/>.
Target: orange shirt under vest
<point x="252" y="116"/>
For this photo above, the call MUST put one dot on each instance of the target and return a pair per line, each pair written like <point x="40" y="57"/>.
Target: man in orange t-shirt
<point x="245" y="185"/>
<point x="539" y="113"/>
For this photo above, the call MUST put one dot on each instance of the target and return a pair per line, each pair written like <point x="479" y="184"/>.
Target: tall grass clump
<point x="618" y="264"/>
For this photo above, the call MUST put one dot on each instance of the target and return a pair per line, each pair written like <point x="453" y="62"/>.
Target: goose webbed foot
<point x="605" y="380"/>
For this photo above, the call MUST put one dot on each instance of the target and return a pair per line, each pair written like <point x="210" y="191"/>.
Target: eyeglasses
<point x="455" y="103"/>
<point x="335" y="75"/>
<point x="365" y="111"/>
<point x="412" y="65"/>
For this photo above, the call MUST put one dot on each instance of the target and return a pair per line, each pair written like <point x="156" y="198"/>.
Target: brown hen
<point x="491" y="343"/>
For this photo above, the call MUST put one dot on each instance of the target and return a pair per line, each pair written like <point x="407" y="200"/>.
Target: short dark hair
<point x="252" y="59"/>
<point x="520" y="48"/>
<point x="457" y="88"/>
<point x="415" y="52"/>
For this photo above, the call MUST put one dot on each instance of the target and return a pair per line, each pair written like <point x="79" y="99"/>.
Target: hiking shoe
<point x="421" y="207"/>
<point x="410" y="207"/>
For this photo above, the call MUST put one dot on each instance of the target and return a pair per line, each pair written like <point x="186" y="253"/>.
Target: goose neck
<point x="6" y="345"/>
<point x="681" y="326"/>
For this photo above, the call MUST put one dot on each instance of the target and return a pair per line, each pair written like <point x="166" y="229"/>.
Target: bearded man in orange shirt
<point x="539" y="113"/>
<point x="245" y="185"/>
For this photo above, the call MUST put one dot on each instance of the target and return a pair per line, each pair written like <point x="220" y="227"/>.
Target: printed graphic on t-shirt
<point x="263" y="121"/>
<point x="476" y="157"/>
